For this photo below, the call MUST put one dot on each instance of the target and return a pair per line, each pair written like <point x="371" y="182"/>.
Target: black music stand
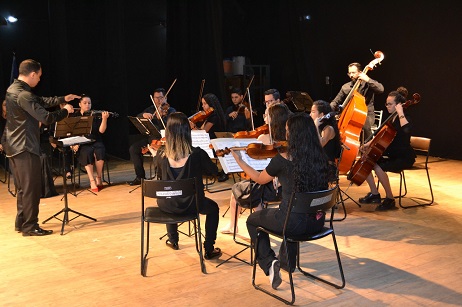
<point x="145" y="127"/>
<point x="298" y="101"/>
<point x="71" y="132"/>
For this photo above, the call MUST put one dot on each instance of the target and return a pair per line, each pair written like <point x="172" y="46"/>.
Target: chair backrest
<point x="420" y="144"/>
<point x="312" y="202"/>
<point x="164" y="189"/>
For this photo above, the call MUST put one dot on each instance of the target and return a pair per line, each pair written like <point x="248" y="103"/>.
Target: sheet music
<point x="228" y="162"/>
<point x="201" y="139"/>
<point x="74" y="140"/>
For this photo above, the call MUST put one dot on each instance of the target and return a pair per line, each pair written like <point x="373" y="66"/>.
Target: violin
<point x="155" y="144"/>
<point x="200" y="116"/>
<point x="97" y="113"/>
<point x="264" y="129"/>
<point x="257" y="150"/>
<point x="164" y="108"/>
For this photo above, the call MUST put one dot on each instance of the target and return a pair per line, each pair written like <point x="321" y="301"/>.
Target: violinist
<point x="215" y="121"/>
<point x="237" y="115"/>
<point x="301" y="168"/>
<point x="278" y="113"/>
<point x="93" y="153"/>
<point x="368" y="88"/>
<point x="398" y="155"/>
<point x="136" y="155"/>
<point x="328" y="133"/>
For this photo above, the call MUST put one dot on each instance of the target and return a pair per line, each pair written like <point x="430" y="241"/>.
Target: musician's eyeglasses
<point x="270" y="101"/>
<point x="159" y="97"/>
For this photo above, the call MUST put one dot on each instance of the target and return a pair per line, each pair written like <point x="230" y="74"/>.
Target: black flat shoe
<point x="172" y="245"/>
<point x="136" y="181"/>
<point x="223" y="177"/>
<point x="215" y="253"/>
<point x="387" y="204"/>
<point x="37" y="232"/>
<point x="370" y="199"/>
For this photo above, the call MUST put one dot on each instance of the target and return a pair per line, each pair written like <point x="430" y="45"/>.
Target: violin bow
<point x="200" y="95"/>
<point x="247" y="92"/>
<point x="157" y="111"/>
<point x="173" y="83"/>
<point x="251" y="111"/>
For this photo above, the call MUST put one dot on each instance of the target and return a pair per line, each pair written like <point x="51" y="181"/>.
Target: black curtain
<point x="194" y="51"/>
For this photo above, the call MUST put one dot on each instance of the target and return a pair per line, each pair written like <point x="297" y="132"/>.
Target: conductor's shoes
<point x="37" y="232"/>
<point x="136" y="181"/>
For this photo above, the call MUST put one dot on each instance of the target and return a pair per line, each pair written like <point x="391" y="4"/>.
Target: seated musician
<point x="237" y="115"/>
<point x="179" y="160"/>
<point x="277" y="114"/>
<point x="215" y="122"/>
<point x="302" y="168"/>
<point x="328" y="133"/>
<point x="136" y="155"/>
<point x="93" y="153"/>
<point x="398" y="156"/>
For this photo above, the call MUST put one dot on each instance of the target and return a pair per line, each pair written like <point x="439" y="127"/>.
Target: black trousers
<point x="26" y="169"/>
<point x="211" y="211"/>
<point x="136" y="156"/>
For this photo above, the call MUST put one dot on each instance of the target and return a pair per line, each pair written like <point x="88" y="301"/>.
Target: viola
<point x="257" y="150"/>
<point x="385" y="135"/>
<point x="352" y="119"/>
<point x="200" y="116"/>
<point x="252" y="134"/>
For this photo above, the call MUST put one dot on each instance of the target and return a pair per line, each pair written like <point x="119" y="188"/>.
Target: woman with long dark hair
<point x="216" y="121"/>
<point x="302" y="168"/>
<point x="180" y="160"/>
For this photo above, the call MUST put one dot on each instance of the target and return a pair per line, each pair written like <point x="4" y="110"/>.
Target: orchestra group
<point x="307" y="148"/>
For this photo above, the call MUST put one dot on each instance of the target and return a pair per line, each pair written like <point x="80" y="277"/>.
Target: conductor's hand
<point x="147" y="115"/>
<point x="71" y="97"/>
<point x="69" y="108"/>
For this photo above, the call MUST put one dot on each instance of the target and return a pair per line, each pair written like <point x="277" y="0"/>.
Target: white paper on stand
<point x="201" y="139"/>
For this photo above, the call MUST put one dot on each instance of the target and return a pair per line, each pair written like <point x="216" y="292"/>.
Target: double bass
<point x="352" y="119"/>
<point x="384" y="136"/>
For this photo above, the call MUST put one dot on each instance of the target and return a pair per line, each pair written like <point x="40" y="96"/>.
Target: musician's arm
<point x="327" y="134"/>
<point x="375" y="86"/>
<point x="259" y="177"/>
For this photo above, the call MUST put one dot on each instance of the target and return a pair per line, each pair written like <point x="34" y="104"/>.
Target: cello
<point x="352" y="119"/>
<point x="384" y="136"/>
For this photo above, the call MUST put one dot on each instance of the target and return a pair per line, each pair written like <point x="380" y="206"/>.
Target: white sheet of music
<point x="74" y="140"/>
<point x="201" y="139"/>
<point x="229" y="164"/>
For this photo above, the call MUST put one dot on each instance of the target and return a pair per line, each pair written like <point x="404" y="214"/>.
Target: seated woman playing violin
<point x="237" y="115"/>
<point x="398" y="155"/>
<point x="215" y="121"/>
<point x="93" y="153"/>
<point x="302" y="168"/>
<point x="278" y="114"/>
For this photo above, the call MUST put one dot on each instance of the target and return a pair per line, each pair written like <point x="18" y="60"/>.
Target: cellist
<point x="398" y="155"/>
<point x="368" y="88"/>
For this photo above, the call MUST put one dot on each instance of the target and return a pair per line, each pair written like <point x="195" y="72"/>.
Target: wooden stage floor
<point x="403" y="257"/>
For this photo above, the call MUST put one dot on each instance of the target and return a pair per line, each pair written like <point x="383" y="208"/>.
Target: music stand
<point x="71" y="132"/>
<point x="145" y="127"/>
<point x="298" y="101"/>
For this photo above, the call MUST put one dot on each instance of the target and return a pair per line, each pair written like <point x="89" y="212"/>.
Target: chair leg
<point x="341" y="201"/>
<point x="342" y="285"/>
<point x="414" y="199"/>
<point x="254" y="271"/>
<point x="143" y="242"/>
<point x="198" y="238"/>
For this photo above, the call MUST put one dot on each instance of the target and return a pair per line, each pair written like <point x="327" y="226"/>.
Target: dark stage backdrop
<point x="119" y="51"/>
